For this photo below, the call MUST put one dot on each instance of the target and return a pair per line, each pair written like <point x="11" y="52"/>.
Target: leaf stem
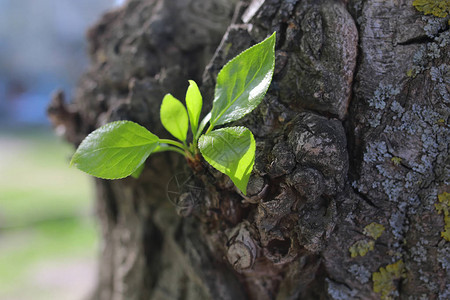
<point x="174" y="143"/>
<point x="178" y="151"/>
<point x="202" y="126"/>
<point x="209" y="129"/>
<point x="194" y="146"/>
<point x="170" y="148"/>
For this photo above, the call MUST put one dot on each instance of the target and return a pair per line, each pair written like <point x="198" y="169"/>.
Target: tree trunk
<point x="352" y="153"/>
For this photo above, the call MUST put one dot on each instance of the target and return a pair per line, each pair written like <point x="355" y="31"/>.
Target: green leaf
<point x="138" y="171"/>
<point x="230" y="150"/>
<point x="115" y="150"/>
<point x="174" y="117"/>
<point x="194" y="104"/>
<point x="243" y="82"/>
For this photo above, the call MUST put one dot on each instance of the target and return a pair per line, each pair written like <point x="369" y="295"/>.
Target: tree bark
<point x="352" y="153"/>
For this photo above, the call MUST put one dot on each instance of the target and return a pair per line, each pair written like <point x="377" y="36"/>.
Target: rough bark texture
<point x="352" y="153"/>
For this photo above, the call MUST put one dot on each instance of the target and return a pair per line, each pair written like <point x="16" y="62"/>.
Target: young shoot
<point x="119" y="149"/>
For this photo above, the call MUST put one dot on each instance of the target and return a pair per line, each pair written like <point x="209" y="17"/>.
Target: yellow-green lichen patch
<point x="374" y="230"/>
<point x="443" y="207"/>
<point x="438" y="8"/>
<point x="396" y="160"/>
<point x="361" y="248"/>
<point x="384" y="279"/>
<point x="411" y="73"/>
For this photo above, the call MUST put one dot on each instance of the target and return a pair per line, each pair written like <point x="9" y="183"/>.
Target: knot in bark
<point x="242" y="249"/>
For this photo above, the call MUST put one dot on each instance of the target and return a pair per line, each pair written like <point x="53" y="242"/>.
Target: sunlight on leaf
<point x="115" y="150"/>
<point x="243" y="82"/>
<point x="230" y="150"/>
<point x="174" y="117"/>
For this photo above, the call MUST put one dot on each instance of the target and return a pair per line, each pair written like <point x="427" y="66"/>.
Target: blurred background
<point x="48" y="236"/>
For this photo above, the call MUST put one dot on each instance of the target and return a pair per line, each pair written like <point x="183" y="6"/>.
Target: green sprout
<point x="119" y="149"/>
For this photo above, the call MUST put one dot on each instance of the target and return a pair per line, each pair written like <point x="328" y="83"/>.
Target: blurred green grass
<point x="45" y="207"/>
